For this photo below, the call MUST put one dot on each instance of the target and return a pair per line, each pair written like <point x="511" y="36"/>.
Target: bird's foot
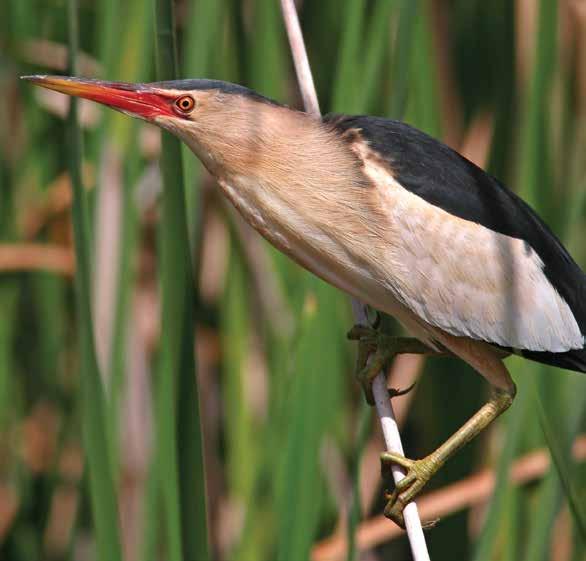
<point x="380" y="348"/>
<point x="418" y="473"/>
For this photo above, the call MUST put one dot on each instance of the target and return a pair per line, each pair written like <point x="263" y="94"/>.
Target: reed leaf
<point x="179" y="441"/>
<point x="103" y="495"/>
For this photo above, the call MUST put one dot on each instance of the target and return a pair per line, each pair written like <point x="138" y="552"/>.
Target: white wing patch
<point x="466" y="279"/>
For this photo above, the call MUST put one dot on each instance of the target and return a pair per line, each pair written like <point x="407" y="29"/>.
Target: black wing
<point x="446" y="179"/>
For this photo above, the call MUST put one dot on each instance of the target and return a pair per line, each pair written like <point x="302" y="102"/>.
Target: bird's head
<point x="228" y="126"/>
<point x="261" y="152"/>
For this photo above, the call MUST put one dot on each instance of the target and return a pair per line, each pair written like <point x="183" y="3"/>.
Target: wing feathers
<point x="445" y="179"/>
<point x="462" y="252"/>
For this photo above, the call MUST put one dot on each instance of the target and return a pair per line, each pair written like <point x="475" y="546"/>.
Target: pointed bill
<point x="138" y="100"/>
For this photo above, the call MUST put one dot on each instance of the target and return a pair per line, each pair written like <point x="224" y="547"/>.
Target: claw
<point x="429" y="524"/>
<point x="394" y="511"/>
<point x="394" y="392"/>
<point x="377" y="320"/>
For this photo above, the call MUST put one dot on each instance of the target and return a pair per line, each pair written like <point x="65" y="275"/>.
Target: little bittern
<point x="391" y="216"/>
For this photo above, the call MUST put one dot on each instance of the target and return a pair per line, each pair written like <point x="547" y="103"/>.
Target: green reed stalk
<point x="102" y="491"/>
<point x="179" y="442"/>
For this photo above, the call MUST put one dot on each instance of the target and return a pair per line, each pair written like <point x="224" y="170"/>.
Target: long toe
<point x="362" y="332"/>
<point x="418" y="473"/>
<point x="388" y="459"/>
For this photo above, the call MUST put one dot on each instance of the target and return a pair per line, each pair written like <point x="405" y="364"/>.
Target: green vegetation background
<point x="92" y="433"/>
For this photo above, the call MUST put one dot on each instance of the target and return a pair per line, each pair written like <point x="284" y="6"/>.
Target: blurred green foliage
<point x="285" y="432"/>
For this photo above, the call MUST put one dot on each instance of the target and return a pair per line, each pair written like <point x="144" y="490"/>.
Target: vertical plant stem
<point x="364" y="424"/>
<point x="383" y="403"/>
<point x="346" y="88"/>
<point x="202" y="26"/>
<point x="402" y="57"/>
<point x="180" y="450"/>
<point x="103" y="495"/>
<point x="302" y="68"/>
<point x="378" y="32"/>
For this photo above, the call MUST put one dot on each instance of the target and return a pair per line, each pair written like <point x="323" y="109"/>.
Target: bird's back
<point x="441" y="177"/>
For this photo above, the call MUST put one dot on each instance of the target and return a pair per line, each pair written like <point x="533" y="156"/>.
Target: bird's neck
<point x="290" y="166"/>
<point x="275" y="148"/>
<point x="290" y="176"/>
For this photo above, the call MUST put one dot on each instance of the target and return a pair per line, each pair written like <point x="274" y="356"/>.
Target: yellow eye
<point x="184" y="104"/>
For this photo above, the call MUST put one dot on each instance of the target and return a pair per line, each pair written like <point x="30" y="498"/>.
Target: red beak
<point x="140" y="100"/>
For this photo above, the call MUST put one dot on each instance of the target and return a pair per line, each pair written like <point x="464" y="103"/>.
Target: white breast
<point x="313" y="241"/>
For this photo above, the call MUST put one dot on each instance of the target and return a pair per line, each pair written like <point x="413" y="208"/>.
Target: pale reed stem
<point x="384" y="407"/>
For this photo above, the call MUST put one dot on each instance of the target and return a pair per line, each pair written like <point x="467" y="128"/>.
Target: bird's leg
<point x="381" y="348"/>
<point x="419" y="472"/>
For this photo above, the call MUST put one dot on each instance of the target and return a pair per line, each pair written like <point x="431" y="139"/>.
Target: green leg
<point x="419" y="472"/>
<point x="381" y="349"/>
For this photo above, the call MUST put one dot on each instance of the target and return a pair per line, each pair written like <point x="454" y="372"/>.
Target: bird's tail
<point x="570" y="360"/>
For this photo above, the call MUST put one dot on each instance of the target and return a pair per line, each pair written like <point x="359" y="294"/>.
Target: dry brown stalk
<point x="56" y="199"/>
<point x="19" y="257"/>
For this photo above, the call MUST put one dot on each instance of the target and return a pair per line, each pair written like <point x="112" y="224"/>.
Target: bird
<point x="391" y="216"/>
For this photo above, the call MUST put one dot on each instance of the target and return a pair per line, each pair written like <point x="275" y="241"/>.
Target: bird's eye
<point x="184" y="104"/>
